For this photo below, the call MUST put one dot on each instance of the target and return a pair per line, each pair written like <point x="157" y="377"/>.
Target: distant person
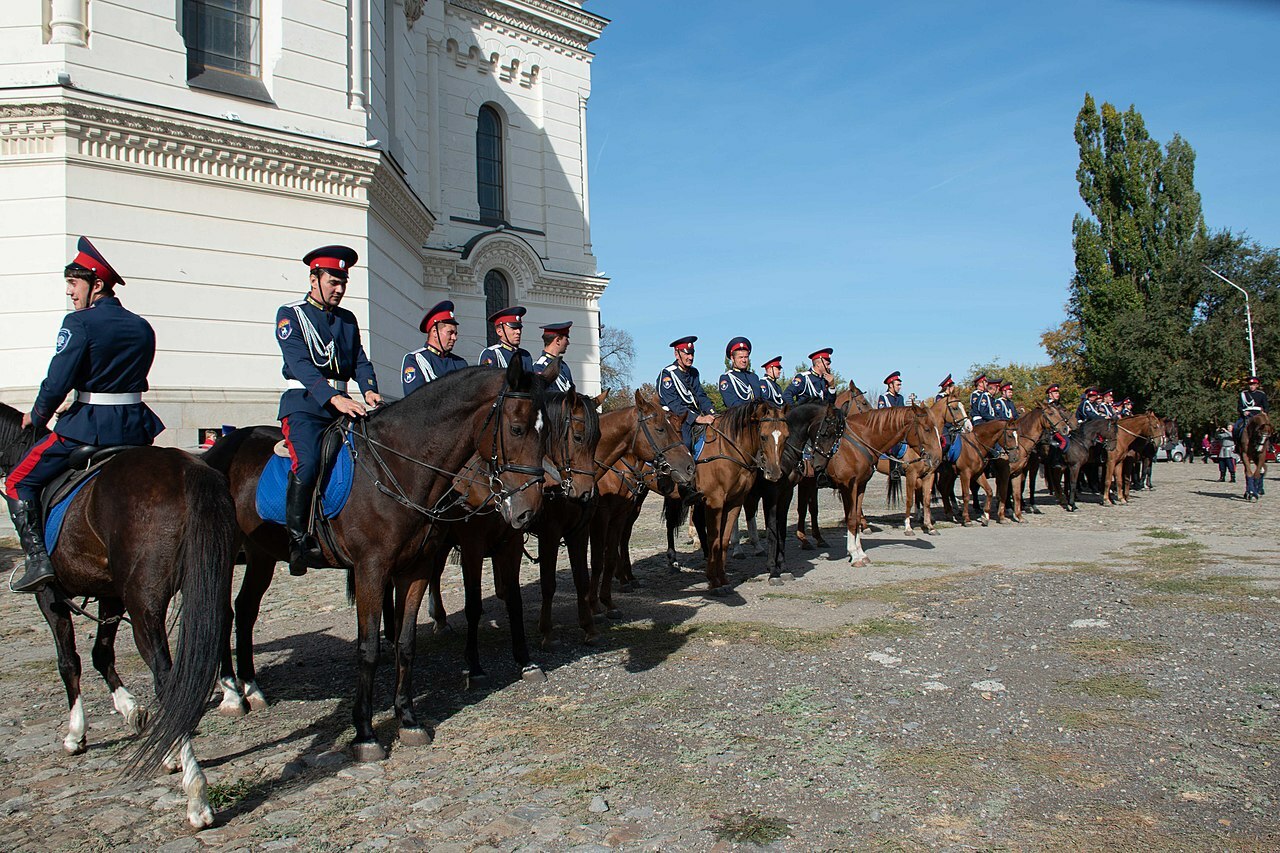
<point x="1188" y="456"/>
<point x="1226" y="455"/>
<point x="1205" y="447"/>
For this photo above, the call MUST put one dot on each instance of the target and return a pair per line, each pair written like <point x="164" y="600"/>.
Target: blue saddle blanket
<point x="953" y="449"/>
<point x="698" y="444"/>
<point x="274" y="482"/>
<point x="53" y="524"/>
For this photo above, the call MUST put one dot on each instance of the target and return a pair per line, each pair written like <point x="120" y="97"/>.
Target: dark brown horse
<point x="970" y="469"/>
<point x="151" y="523"/>
<point x="408" y="455"/>
<point x="865" y="437"/>
<point x="1092" y="441"/>
<point x="850" y="400"/>
<point x="1255" y="439"/>
<point x="1047" y="451"/>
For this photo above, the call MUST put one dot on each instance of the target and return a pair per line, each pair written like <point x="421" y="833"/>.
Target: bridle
<point x="660" y="463"/>
<point x="497" y="463"/>
<point x="564" y="468"/>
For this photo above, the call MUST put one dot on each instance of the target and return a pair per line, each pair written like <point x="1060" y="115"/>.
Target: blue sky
<point x="894" y="180"/>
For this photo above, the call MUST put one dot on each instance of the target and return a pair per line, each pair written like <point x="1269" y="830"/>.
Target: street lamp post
<point x="1248" y="318"/>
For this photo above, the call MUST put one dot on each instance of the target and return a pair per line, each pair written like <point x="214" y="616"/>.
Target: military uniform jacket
<point x="681" y="393"/>
<point x="770" y="392"/>
<point x="1087" y="411"/>
<point x="738" y="387"/>
<point x="499" y="355"/>
<point x="425" y="365"/>
<point x="980" y="407"/>
<point x="322" y="351"/>
<point x="1003" y="410"/>
<point x="1252" y="401"/>
<point x="103" y="349"/>
<point x="808" y="387"/>
<point x="562" y="382"/>
<point x="890" y="401"/>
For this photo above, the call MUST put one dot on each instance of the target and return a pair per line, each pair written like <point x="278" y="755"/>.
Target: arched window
<point x="489" y="166"/>
<point x="496" y="295"/>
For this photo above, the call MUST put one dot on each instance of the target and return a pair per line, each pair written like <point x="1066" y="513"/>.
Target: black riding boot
<point x="304" y="551"/>
<point x="26" y="520"/>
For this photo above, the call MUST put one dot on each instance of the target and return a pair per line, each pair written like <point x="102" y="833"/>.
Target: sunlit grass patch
<point x="1078" y="720"/>
<point x="1065" y="765"/>
<point x="750" y="827"/>
<point x="1162" y="533"/>
<point x="1111" y="686"/>
<point x="1202" y="585"/>
<point x="950" y="764"/>
<point x="1112" y="649"/>
<point x="584" y="777"/>
<point x="1172" y="557"/>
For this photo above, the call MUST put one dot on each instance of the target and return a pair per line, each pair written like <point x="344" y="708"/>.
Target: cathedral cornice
<point x="559" y="25"/>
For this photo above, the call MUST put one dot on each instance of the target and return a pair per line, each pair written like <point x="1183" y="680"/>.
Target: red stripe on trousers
<point x="293" y="455"/>
<point x="31" y="460"/>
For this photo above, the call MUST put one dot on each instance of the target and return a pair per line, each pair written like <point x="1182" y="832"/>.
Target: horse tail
<point x="204" y="565"/>
<point x="895" y="491"/>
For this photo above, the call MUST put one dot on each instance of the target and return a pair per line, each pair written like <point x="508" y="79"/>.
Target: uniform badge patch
<point x="666" y="383"/>
<point x="410" y="374"/>
<point x="284" y="328"/>
<point x="724" y="385"/>
<point x="64" y="338"/>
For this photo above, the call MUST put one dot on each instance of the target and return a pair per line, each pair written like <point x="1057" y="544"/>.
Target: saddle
<point x="337" y="467"/>
<point x="85" y="462"/>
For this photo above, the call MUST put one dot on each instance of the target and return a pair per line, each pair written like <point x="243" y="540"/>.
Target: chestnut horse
<point x="865" y="436"/>
<point x="1031" y="427"/>
<point x="1255" y="439"/>
<point x="917" y="475"/>
<point x="1133" y="436"/>
<point x="151" y="523"/>
<point x="970" y="469"/>
<point x="745" y="441"/>
<point x="849" y="400"/>
<point x="407" y="454"/>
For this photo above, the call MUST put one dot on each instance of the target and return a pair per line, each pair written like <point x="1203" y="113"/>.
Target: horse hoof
<point x="549" y="643"/>
<point x="788" y="576"/>
<point x="137" y="719"/>
<point x="415" y="736"/>
<point x="806" y="545"/>
<point x="860" y="562"/>
<point x="718" y="591"/>
<point x="366" y="751"/>
<point x="626" y="587"/>
<point x="199" y="815"/>
<point x="613" y="613"/>
<point x="775" y="580"/>
<point x="932" y="531"/>
<point x="75" y="747"/>
<point x="440" y="627"/>
<point x="907" y="531"/>
<point x="231" y="707"/>
<point x="590" y="639"/>
<point x="477" y="679"/>
<point x="983" y="522"/>
<point x="533" y="674"/>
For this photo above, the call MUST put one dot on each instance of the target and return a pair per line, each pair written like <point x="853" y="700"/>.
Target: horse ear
<point x="515" y="373"/>
<point x="640" y="401"/>
<point x="600" y="398"/>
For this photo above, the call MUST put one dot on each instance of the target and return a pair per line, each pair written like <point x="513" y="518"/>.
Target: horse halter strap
<point x="567" y="470"/>
<point x="660" y="463"/>
<point x="498" y="457"/>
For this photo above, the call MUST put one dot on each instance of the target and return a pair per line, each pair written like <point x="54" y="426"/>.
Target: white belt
<point x="335" y="384"/>
<point x="95" y="399"/>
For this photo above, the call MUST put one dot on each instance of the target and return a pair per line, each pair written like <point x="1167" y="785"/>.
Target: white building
<point x="206" y="145"/>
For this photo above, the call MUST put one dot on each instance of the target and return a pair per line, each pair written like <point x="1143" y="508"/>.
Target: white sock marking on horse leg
<point x="171" y="759"/>
<point x="851" y="544"/>
<point x="74" y="741"/>
<point x="128" y="708"/>
<point x="254" y="696"/>
<point x="196" y="787"/>
<point x="232" y="700"/>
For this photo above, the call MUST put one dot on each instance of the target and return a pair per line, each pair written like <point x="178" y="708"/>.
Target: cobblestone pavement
<point x="1103" y="679"/>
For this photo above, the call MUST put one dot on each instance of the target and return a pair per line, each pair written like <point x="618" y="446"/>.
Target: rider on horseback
<point x="681" y="393"/>
<point x="322" y="352"/>
<point x="555" y="340"/>
<point x="1053" y="400"/>
<point x="103" y="353"/>
<point x="981" y="408"/>
<point x="769" y="389"/>
<point x="436" y="358"/>
<point x="739" y="385"/>
<point x="892" y="399"/>
<point x="1252" y="400"/>
<point x="508" y="327"/>
<point x="1089" y="408"/>
<point x="815" y="384"/>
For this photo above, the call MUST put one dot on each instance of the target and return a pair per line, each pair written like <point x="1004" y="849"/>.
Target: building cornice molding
<point x="556" y="25"/>
<point x="187" y="147"/>
<point x="391" y="195"/>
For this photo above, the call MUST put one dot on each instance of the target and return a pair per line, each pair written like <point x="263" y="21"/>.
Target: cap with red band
<point x="337" y="260"/>
<point x="441" y="313"/>
<point x="897" y="374"/>
<point x="822" y="353"/>
<point x="88" y="257"/>
<point x="736" y="344"/>
<point x="776" y="361"/>
<point x="510" y="315"/>
<point x="684" y="344"/>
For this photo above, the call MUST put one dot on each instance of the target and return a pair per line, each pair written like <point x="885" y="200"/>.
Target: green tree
<point x="1029" y="380"/>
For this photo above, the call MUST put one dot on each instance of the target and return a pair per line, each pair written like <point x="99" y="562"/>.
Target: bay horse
<point x="863" y="439"/>
<point x="151" y="523"/>
<point x="918" y="475"/>
<point x="744" y="441"/>
<point x="970" y="469"/>
<point x="1030" y="428"/>
<point x="1047" y="451"/>
<point x="1133" y="436"/>
<point x="1094" y="438"/>
<point x="572" y="431"/>
<point x="1255" y="439"/>
<point x="851" y="399"/>
<point x="407" y="456"/>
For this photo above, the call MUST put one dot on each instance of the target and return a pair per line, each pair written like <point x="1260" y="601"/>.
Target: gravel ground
<point x="1108" y="679"/>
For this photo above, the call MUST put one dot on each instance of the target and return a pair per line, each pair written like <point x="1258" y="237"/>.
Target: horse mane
<point x="447" y="397"/>
<point x="559" y="409"/>
<point x="738" y="419"/>
<point x="891" y="415"/>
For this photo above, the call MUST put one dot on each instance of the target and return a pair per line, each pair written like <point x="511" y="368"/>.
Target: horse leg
<point x="1017" y="497"/>
<point x="64" y="639"/>
<point x="576" y="546"/>
<point x="910" y="481"/>
<point x="547" y="581"/>
<point x="813" y="517"/>
<point x="506" y="565"/>
<point x="715" y="518"/>
<point x="806" y="485"/>
<point x="104" y="661"/>
<point x="260" y="568"/>
<point x="472" y="576"/>
<point x="926" y="503"/>
<point x="435" y="597"/>
<point x="858" y="556"/>
<point x="369" y="584"/>
<point x="406" y="602"/>
<point x="671" y="514"/>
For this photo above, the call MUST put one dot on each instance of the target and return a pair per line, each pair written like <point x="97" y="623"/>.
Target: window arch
<point x="497" y="294"/>
<point x="489" y="166"/>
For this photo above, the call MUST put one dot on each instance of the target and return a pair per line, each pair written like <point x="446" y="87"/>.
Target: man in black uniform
<point x="103" y="353"/>
<point x="436" y="358"/>
<point x="555" y="342"/>
<point x="320" y="343"/>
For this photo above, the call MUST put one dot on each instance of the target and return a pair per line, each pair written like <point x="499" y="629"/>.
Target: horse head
<point x="774" y="431"/>
<point x="512" y="441"/>
<point x="923" y="436"/>
<point x="954" y="415"/>
<point x="1257" y="431"/>
<point x="657" y="442"/>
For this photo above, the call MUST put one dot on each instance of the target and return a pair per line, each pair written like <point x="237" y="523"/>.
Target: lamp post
<point x="1248" y="318"/>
